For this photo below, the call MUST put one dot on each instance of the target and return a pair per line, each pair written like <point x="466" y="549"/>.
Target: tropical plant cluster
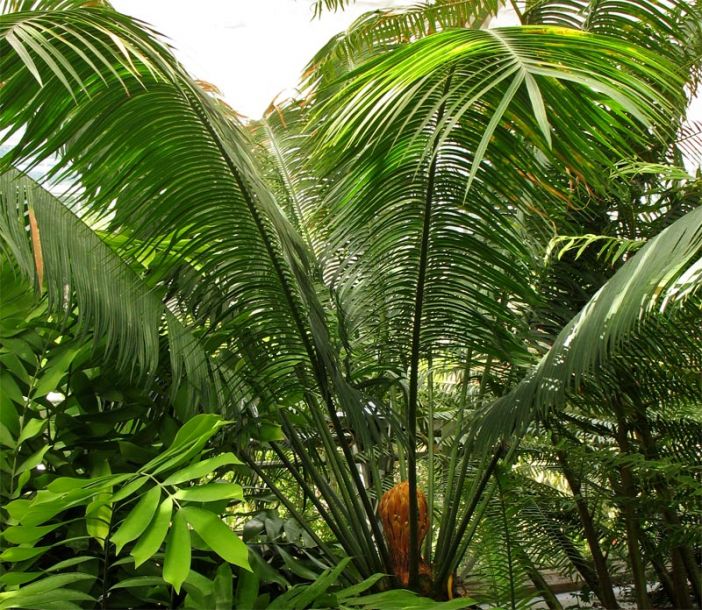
<point x="420" y="337"/>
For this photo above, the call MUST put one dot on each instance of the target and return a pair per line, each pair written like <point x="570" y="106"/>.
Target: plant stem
<point x="627" y="492"/>
<point x="508" y="542"/>
<point x="604" y="591"/>
<point x="416" y="349"/>
<point x="445" y="567"/>
<point x="430" y="459"/>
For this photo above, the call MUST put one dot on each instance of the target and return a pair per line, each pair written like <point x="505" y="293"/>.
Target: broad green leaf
<point x="20" y="553"/>
<point x="46" y="589"/>
<point x="6" y="437"/>
<point x="137" y="581"/>
<point x="64" y="484"/>
<point x="46" y="504"/>
<point x="138" y="519"/>
<point x="22" y="480"/>
<point x="31" y="429"/>
<point x="270" y="432"/>
<point x="21" y="348"/>
<point x="201" y="469"/>
<point x="153" y="537"/>
<point x="23" y="534"/>
<point x="135" y="453"/>
<point x="8" y="414"/>
<point x="200" y="591"/>
<point x="55" y="582"/>
<point x="9" y="388"/>
<point x="15" y="578"/>
<point x="56" y="369"/>
<point x="199" y="582"/>
<point x="217" y="535"/>
<point x="18" y="509"/>
<point x="223" y="588"/>
<point x="49" y="381"/>
<point x="129" y="489"/>
<point x="176" y="564"/>
<point x="175" y="457"/>
<point x="247" y="588"/>
<point x="33" y="460"/>
<point x="98" y="514"/>
<point x="59" y="599"/>
<point x="210" y="493"/>
<point x="15" y="366"/>
<point x="201" y="426"/>
<point x="320" y="586"/>
<point x="359" y="587"/>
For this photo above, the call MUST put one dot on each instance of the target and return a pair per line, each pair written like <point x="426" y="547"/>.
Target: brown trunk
<point x="604" y="592"/>
<point x="661" y="572"/>
<point x="627" y="505"/>
<point x="540" y="584"/>
<point x="580" y="563"/>
<point x="682" y="597"/>
<point x="682" y="558"/>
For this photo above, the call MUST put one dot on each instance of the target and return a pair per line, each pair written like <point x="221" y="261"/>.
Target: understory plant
<point x="467" y="258"/>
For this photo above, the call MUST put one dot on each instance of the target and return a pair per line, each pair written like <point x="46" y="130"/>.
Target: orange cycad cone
<point x="394" y="515"/>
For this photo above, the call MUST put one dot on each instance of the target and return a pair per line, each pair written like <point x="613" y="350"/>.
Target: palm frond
<point x="383" y="30"/>
<point x="168" y="166"/>
<point x="435" y="165"/>
<point x="384" y="133"/>
<point x="656" y="280"/>
<point x="281" y="133"/>
<point x="671" y="29"/>
<point x="609" y="249"/>
<point x="106" y="96"/>
<point x="82" y="271"/>
<point x="25" y="6"/>
<point x="330" y="5"/>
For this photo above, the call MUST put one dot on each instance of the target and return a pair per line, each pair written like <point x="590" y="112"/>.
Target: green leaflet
<point x="36" y="593"/>
<point x="223" y="587"/>
<point x="129" y="489"/>
<point x="218" y="536"/>
<point x="98" y="514"/>
<point x="155" y="534"/>
<point x="138" y="519"/>
<point x="210" y="493"/>
<point x="201" y="469"/>
<point x="24" y="534"/>
<point x="176" y="564"/>
<point x="31" y="429"/>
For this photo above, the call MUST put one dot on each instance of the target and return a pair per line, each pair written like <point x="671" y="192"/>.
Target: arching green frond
<point x="80" y="270"/>
<point x="330" y="5"/>
<point x="663" y="274"/>
<point x="609" y="249"/>
<point x="671" y="29"/>
<point x="21" y="6"/>
<point x="147" y="151"/>
<point x="281" y="134"/>
<point x="164" y="164"/>
<point x="382" y="30"/>
<point x="440" y="150"/>
<point x="415" y="129"/>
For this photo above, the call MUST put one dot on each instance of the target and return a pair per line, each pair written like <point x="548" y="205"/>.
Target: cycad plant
<point x="336" y="276"/>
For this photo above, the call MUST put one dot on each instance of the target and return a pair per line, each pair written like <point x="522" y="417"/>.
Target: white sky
<point x="252" y="50"/>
